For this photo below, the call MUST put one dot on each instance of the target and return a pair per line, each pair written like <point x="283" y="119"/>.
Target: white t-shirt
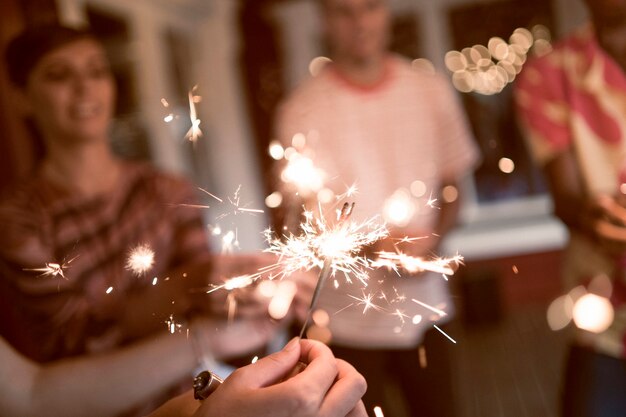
<point x="408" y="127"/>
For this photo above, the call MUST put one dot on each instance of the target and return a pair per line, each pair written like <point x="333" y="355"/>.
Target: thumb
<point x="272" y="368"/>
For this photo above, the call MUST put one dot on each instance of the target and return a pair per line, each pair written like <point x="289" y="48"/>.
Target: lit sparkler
<point x="140" y="260"/>
<point x="336" y="249"/>
<point x="53" y="268"/>
<point x="172" y="325"/>
<point x="194" y="131"/>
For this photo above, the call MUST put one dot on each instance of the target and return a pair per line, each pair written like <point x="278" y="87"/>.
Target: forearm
<point x="110" y="384"/>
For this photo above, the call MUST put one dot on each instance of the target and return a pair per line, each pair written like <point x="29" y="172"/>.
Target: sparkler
<point x="336" y="248"/>
<point x="172" y="325"/>
<point x="194" y="131"/>
<point x="53" y="268"/>
<point x="140" y="259"/>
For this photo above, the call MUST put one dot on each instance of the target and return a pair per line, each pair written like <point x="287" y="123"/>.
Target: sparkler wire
<point x="324" y="274"/>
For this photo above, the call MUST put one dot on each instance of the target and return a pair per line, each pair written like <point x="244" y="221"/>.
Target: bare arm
<point x="109" y="384"/>
<point x="98" y="386"/>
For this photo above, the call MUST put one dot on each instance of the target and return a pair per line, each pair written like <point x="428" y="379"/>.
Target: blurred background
<point x="240" y="57"/>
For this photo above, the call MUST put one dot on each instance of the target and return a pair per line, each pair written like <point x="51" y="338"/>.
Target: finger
<point x="345" y="393"/>
<point x="358" y="411"/>
<point x="613" y="209"/>
<point x="606" y="230"/>
<point x="321" y="367"/>
<point x="272" y="368"/>
<point x="304" y="393"/>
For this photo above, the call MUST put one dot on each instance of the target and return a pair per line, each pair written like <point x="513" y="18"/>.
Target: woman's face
<point x="70" y="93"/>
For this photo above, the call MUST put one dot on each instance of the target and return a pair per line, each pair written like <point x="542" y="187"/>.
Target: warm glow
<point x="298" y="141"/>
<point x="140" y="260"/>
<point x="489" y="69"/>
<point x="423" y="65"/>
<point x="449" y="193"/>
<point x="506" y="165"/>
<point x="302" y="172"/>
<point x="276" y="150"/>
<point x="399" y="208"/>
<point x="320" y="318"/>
<point x="281" y="302"/>
<point x="317" y="64"/>
<point x="593" y="313"/>
<point x="274" y="200"/>
<point x="418" y="188"/>
<point x="559" y="312"/>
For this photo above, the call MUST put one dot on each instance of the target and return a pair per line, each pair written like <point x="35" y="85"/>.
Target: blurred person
<point x="571" y="103"/>
<point x="326" y="387"/>
<point x="372" y="120"/>
<point x="83" y="210"/>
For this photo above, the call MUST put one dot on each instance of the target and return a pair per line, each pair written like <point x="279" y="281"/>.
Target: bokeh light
<point x="593" y="313"/>
<point x="489" y="69"/>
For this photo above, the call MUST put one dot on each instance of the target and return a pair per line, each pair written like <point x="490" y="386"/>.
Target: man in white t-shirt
<point x="374" y="121"/>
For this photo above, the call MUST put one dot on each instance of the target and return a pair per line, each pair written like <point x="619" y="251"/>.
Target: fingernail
<point x="292" y="344"/>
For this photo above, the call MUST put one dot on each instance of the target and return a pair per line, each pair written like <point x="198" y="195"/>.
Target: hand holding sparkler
<point x="326" y="387"/>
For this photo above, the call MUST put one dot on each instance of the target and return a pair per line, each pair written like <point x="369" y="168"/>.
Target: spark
<point x="241" y="281"/>
<point x="351" y="191"/>
<point x="401" y="315"/>
<point x="231" y="206"/>
<point x="444" y="333"/>
<point x="213" y="195"/>
<point x="140" y="259"/>
<point x="413" y="264"/>
<point x="431" y="201"/>
<point x="378" y="412"/>
<point x="172" y="325"/>
<point x="340" y="243"/>
<point x="441" y="313"/>
<point x="334" y="245"/>
<point x="109" y="290"/>
<point x="194" y="131"/>
<point x="53" y="268"/>
<point x="170" y="116"/>
<point x="366" y="302"/>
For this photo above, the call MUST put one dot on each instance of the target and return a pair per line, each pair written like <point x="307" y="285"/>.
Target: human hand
<point x="326" y="387"/>
<point x="606" y="220"/>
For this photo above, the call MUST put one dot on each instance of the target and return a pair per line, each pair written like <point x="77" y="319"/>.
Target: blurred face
<point x="608" y="12"/>
<point x="357" y="29"/>
<point x="70" y="93"/>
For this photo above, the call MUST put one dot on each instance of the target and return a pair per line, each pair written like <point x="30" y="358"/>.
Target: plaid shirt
<point x="48" y="317"/>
